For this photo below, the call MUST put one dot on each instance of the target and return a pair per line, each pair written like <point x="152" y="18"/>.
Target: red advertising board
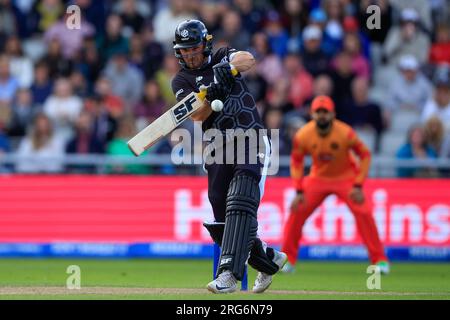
<point x="131" y="209"/>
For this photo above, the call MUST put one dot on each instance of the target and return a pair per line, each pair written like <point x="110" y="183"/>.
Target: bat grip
<point x="202" y="90"/>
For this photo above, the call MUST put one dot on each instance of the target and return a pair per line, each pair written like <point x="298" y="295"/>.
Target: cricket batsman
<point x="234" y="189"/>
<point x="332" y="145"/>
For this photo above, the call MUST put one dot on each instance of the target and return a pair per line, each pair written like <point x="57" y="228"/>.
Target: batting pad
<point x="241" y="225"/>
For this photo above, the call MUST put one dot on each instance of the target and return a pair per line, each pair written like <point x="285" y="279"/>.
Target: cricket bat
<point x="168" y="121"/>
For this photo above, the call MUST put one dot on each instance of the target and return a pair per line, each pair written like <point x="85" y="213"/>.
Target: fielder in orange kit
<point x="332" y="145"/>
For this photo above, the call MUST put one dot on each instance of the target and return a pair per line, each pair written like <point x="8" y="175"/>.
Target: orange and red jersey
<point x="333" y="155"/>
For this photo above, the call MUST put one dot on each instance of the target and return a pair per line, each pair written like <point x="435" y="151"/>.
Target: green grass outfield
<point x="186" y="279"/>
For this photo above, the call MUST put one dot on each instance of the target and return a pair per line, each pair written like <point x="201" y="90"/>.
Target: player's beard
<point x="323" y="124"/>
<point x="194" y="61"/>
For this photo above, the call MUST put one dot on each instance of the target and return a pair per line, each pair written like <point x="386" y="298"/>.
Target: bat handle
<point x="202" y="92"/>
<point x="203" y="88"/>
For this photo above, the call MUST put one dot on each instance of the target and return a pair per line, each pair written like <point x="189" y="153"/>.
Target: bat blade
<point x="166" y="123"/>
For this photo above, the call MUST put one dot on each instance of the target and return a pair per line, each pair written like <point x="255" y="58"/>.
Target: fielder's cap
<point x="312" y="33"/>
<point x="318" y="15"/>
<point x="409" y="14"/>
<point x="408" y="62"/>
<point x="322" y="102"/>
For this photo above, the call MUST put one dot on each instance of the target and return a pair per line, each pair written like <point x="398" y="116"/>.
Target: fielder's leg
<point x="366" y="227"/>
<point x="314" y="194"/>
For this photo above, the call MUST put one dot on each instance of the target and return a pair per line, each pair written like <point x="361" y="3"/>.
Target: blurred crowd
<point x="88" y="90"/>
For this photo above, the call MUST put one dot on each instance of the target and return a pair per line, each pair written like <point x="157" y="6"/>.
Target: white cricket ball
<point x="217" y="105"/>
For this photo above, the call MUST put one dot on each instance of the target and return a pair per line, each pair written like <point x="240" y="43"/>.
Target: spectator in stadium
<point x="251" y="15"/>
<point x="434" y="133"/>
<point x="322" y="86"/>
<point x="118" y="147"/>
<point x="8" y="84"/>
<point x="439" y="104"/>
<point x="90" y="63"/>
<point x="232" y="32"/>
<point x="333" y="32"/>
<point x="5" y="143"/>
<point x="145" y="8"/>
<point x="359" y="63"/>
<point x="300" y="81"/>
<point x="277" y="35"/>
<point x="113" y="41"/>
<point x="440" y="49"/>
<point x="363" y="112"/>
<point x="63" y="108"/>
<point x="342" y="77"/>
<point x="406" y="39"/>
<point x="410" y="89"/>
<point x="314" y="59"/>
<point x="278" y="97"/>
<point x="42" y="86"/>
<point x="422" y="8"/>
<point x="153" y="53"/>
<point x="126" y="80"/>
<point x="415" y="148"/>
<point x="133" y="21"/>
<point x="351" y="27"/>
<point x="23" y="110"/>
<point x="8" y="19"/>
<point x="295" y="18"/>
<point x="376" y="36"/>
<point x="269" y="65"/>
<point x="46" y="13"/>
<point x="291" y="124"/>
<point x="84" y="142"/>
<point x="445" y="150"/>
<point x="256" y="85"/>
<point x="136" y="55"/>
<point x="20" y="65"/>
<point x="164" y="78"/>
<point x="94" y="11"/>
<point x="209" y="14"/>
<point x="38" y="147"/>
<point x="167" y="19"/>
<point x="71" y="40"/>
<point x="104" y="125"/>
<point x="113" y="104"/>
<point x="272" y="118"/>
<point x="80" y="85"/>
<point x="58" y="65"/>
<point x="152" y="104"/>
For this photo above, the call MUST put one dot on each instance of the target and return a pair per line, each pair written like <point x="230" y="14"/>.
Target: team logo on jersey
<point x="178" y="93"/>
<point x="184" y="33"/>
<point x="325" y="157"/>
<point x="334" y="145"/>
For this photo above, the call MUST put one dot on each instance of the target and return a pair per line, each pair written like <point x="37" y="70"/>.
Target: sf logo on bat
<point x="182" y="111"/>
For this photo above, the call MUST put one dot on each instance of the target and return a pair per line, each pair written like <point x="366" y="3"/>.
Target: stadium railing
<point x="380" y="166"/>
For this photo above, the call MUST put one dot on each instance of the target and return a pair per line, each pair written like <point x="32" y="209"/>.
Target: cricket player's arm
<point x="361" y="150"/>
<point x="297" y="162"/>
<point x="241" y="61"/>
